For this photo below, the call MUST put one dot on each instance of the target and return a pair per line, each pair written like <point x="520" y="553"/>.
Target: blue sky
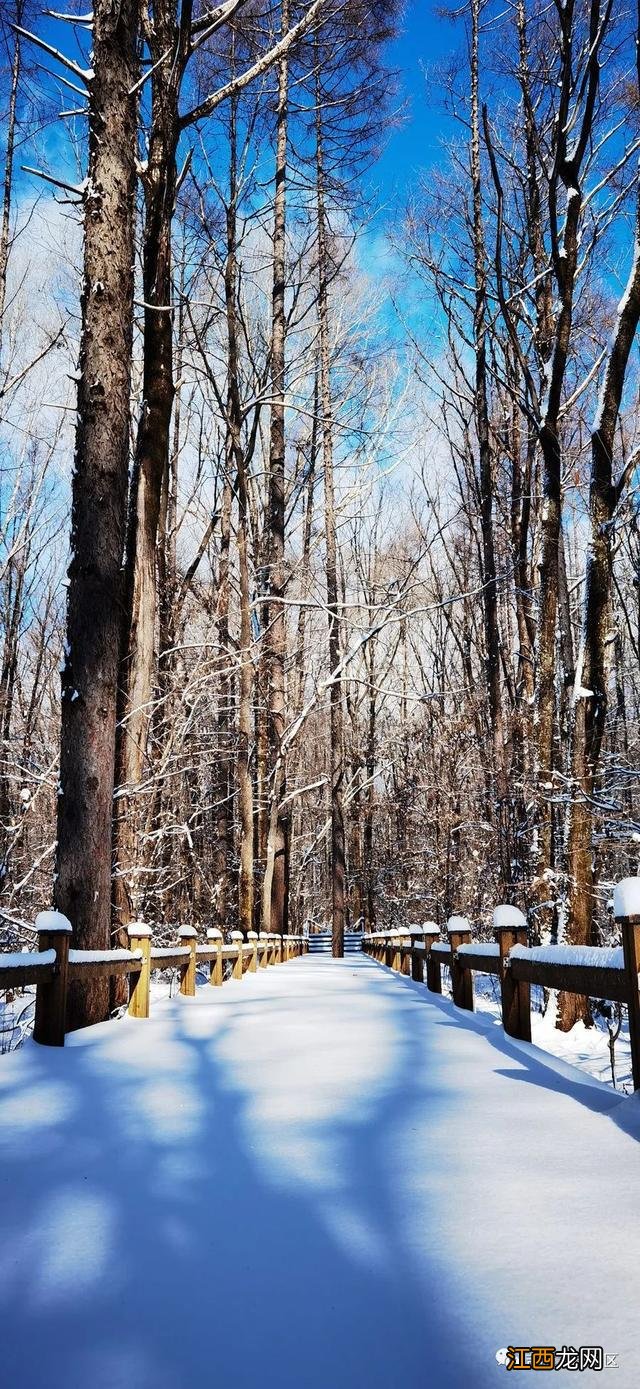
<point x="424" y="41"/>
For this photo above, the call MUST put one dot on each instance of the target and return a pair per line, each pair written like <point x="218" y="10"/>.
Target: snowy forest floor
<point x="321" y="1176"/>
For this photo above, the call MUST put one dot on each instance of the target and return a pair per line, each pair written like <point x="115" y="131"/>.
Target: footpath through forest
<point x="320" y="1178"/>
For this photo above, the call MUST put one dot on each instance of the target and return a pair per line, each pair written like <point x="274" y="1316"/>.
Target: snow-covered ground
<point x="584" y="1047"/>
<point x="321" y="1177"/>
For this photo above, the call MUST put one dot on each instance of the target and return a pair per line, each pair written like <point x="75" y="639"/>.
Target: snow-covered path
<point x="319" y="1178"/>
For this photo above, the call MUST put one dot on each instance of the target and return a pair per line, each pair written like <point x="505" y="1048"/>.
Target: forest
<point x="319" y="490"/>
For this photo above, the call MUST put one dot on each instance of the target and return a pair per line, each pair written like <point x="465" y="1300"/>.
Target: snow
<point x="488" y="948"/>
<point x="403" y="1174"/>
<point x="54" y="922"/>
<point x="506" y="917"/>
<point x="27" y="959"/>
<point x="458" y="923"/>
<point x="587" y="955"/>
<point x="164" y="951"/>
<point x="626" y="898"/>
<point x="93" y="957"/>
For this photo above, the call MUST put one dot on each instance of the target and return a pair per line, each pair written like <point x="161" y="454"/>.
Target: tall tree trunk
<point x="236" y="455"/>
<point x="224" y="825"/>
<point x="99" y="499"/>
<point x="5" y="227"/>
<point x="486" y="473"/>
<point x="275" y="886"/>
<point x="592" y="678"/>
<point x="151" y="461"/>
<point x="335" y="690"/>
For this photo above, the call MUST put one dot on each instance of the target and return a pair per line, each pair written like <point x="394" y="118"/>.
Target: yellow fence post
<point x="140" y="983"/>
<point x="187" y="935"/>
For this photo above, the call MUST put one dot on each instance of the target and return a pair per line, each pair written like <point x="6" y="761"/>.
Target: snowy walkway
<point x="318" y="1178"/>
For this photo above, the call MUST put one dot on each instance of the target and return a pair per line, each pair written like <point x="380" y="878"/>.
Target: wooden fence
<point x="54" y="964"/>
<point x="593" y="971"/>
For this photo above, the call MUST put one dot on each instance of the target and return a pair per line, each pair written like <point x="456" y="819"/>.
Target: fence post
<point x="54" y="931"/>
<point x="188" y="935"/>
<point x="417" y="957"/>
<point x="252" y="937"/>
<point x="263" y="951"/>
<point x="215" y="966"/>
<point x="237" y="939"/>
<point x="459" y="932"/>
<point x="626" y="908"/>
<point x="510" y="928"/>
<point x="272" y="947"/>
<point x="405" y="960"/>
<point x="139" y="984"/>
<point x="396" y="957"/>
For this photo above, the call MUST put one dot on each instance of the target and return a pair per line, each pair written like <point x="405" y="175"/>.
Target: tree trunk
<point x="486" y="476"/>
<point x="99" y="499"/>
<point x="335" y="689"/>
<point x="275" y="886"/>
<point x="5" y="227"/>
<point x="236" y="455"/>
<point x="592" y="678"/>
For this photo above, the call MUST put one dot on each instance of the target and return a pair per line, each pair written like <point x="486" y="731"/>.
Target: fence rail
<point x="54" y="965"/>
<point x="595" y="972"/>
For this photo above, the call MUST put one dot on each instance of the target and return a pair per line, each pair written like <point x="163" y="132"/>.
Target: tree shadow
<point x="171" y="1220"/>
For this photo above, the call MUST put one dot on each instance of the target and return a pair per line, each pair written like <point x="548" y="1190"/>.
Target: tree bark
<point x="275" y="885"/>
<point x="592" y="678"/>
<point x="5" y="227"/>
<point x="338" y="871"/>
<point x="99" y="498"/>
<point x="486" y="475"/>
<point x="151" y="463"/>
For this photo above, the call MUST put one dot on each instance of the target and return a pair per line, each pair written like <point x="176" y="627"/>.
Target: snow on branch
<point x="85" y="74"/>
<point x="238" y="84"/>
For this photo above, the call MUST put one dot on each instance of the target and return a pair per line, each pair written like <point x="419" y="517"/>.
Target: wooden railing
<point x="53" y="965"/>
<point x="596" y="972"/>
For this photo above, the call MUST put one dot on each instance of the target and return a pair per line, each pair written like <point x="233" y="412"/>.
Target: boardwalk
<point x="321" y="1177"/>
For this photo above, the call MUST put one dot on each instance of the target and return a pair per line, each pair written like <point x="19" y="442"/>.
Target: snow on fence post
<point x="54" y="931"/>
<point x="237" y="939"/>
<point x="215" y="967"/>
<point x="509" y="929"/>
<point x="459" y="932"/>
<point x="187" y="935"/>
<point x="140" y="940"/>
<point x="263" y="950"/>
<point x="252" y="937"/>
<point x="626" y="909"/>
<point x="425" y="934"/>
